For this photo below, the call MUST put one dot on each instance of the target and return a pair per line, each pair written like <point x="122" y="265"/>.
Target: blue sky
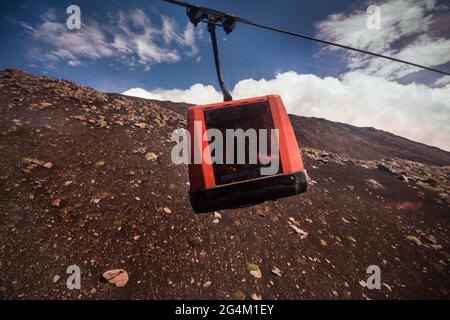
<point x="149" y="49"/>
<point x="247" y="52"/>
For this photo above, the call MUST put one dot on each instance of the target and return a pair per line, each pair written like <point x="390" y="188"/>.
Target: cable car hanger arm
<point x="212" y="31"/>
<point x="221" y="16"/>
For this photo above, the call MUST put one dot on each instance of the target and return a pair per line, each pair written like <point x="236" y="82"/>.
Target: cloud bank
<point x="413" y="111"/>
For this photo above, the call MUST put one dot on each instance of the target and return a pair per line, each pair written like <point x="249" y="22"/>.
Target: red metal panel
<point x="289" y="151"/>
<point x="201" y="176"/>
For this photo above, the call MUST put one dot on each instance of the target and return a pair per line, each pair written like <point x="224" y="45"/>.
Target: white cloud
<point x="141" y="93"/>
<point x="89" y="43"/>
<point x="413" y="111"/>
<point x="130" y="37"/>
<point x="408" y="31"/>
<point x="442" y="81"/>
<point x="196" y="94"/>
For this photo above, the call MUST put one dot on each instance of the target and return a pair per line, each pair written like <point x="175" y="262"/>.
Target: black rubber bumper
<point x="249" y="192"/>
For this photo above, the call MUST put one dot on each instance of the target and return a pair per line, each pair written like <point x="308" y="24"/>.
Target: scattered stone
<point x="323" y="243"/>
<point x="254" y="270"/>
<point x="374" y="184"/>
<point x="118" y="277"/>
<point x="207" y="284"/>
<point x="238" y="295"/>
<point x="167" y="210"/>
<point x="99" y="197"/>
<point x="56" y="278"/>
<point x="217" y="216"/>
<point x="151" y="156"/>
<point x="443" y="196"/>
<point x="139" y="150"/>
<point x="136" y="238"/>
<point x="45" y="105"/>
<point x="276" y="271"/>
<point x="93" y="291"/>
<point x="68" y="183"/>
<point x="387" y="286"/>
<point x="99" y="164"/>
<point x="48" y="165"/>
<point x="408" y="205"/>
<point x="56" y="203"/>
<point x="303" y="234"/>
<point x="141" y="125"/>
<point x="30" y="163"/>
<point x="414" y="239"/>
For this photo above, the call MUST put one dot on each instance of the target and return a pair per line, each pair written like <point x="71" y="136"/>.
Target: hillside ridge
<point x="87" y="179"/>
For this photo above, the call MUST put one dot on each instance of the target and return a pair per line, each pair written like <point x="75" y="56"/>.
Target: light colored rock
<point x="303" y="234"/>
<point x="151" y="156"/>
<point x="276" y="271"/>
<point x="141" y="125"/>
<point x="56" y="203"/>
<point x="99" y="164"/>
<point x="374" y="184"/>
<point x="68" y="183"/>
<point x="254" y="270"/>
<point x="414" y="239"/>
<point x="118" y="277"/>
<point x="45" y="104"/>
<point x="48" y="165"/>
<point x="387" y="286"/>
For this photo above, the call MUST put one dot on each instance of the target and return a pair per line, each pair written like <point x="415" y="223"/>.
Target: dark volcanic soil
<point x="105" y="202"/>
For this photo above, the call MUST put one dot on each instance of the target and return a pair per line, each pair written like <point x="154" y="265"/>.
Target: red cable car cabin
<point x="220" y="186"/>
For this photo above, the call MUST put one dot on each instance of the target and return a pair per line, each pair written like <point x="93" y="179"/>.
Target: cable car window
<point x="249" y="116"/>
